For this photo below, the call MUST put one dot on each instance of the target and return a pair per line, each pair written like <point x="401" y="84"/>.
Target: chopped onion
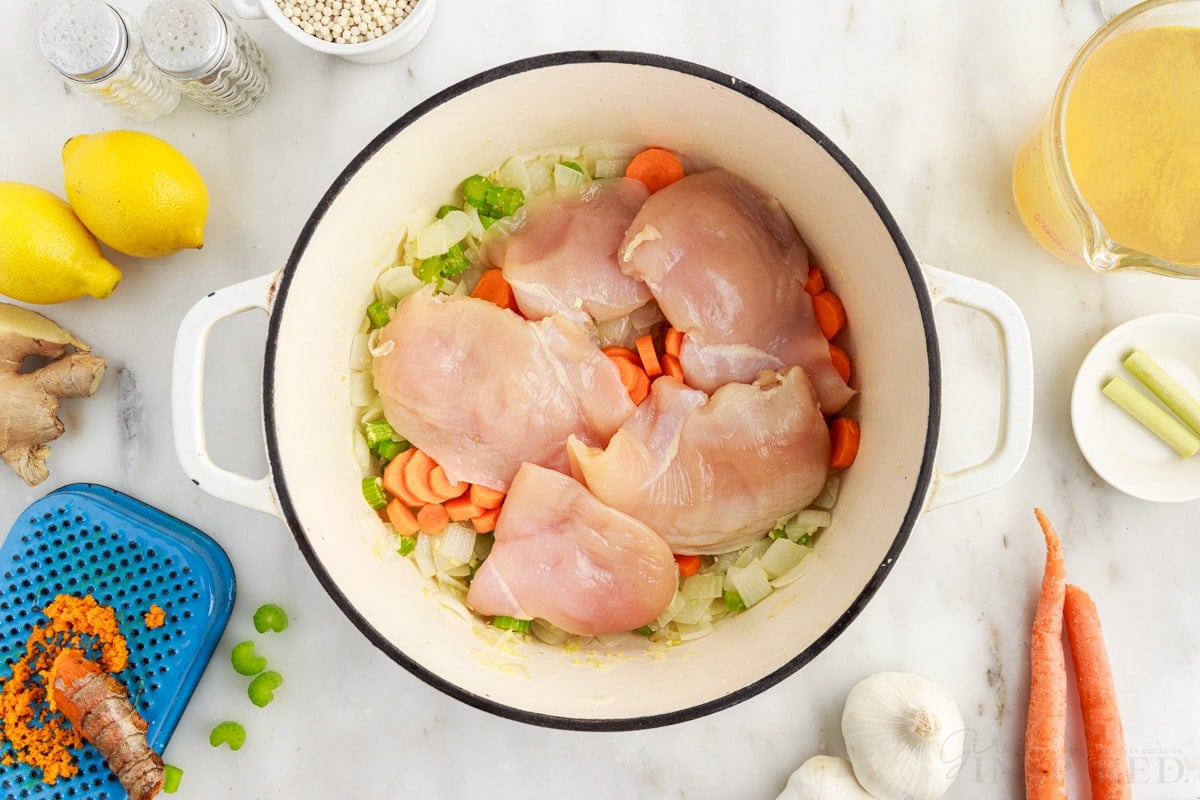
<point x="829" y="493"/>
<point x="688" y="633"/>
<point x="751" y="582"/>
<point x="540" y="179"/>
<point x="673" y="608"/>
<point x="707" y="585"/>
<point x="422" y="554"/>
<point x="565" y="177"/>
<point x="548" y="633"/>
<point x="372" y="411"/>
<point x="694" y="611"/>
<point x="397" y="283"/>
<point x="514" y="172"/>
<point x="455" y="546"/>
<point x="362" y="389"/>
<point x="362" y="453"/>
<point x="781" y="556"/>
<point x="798" y="571"/>
<point x="645" y="317"/>
<point x="808" y="518"/>
<point x="611" y="167"/>
<point x="751" y="552"/>
<point x="439" y="236"/>
<point x="617" y="331"/>
<point x="360" y="351"/>
<point x="476" y="223"/>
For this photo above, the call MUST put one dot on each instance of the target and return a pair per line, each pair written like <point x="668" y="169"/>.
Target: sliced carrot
<point x="830" y="313"/>
<point x="688" y="565"/>
<point x="416" y="477"/>
<point x="433" y="518"/>
<point x="462" y="509"/>
<point x="844" y="436"/>
<point x="617" y="351"/>
<point x="442" y="487"/>
<point x="402" y="517"/>
<point x="816" y="281"/>
<point x="655" y="167"/>
<point x="649" y="358"/>
<point x="672" y="368"/>
<point x="486" y="522"/>
<point x="394" y="481"/>
<point x="841" y="361"/>
<point x="673" y="342"/>
<point x="485" y="497"/>
<point x="1046" y="723"/>
<point x="494" y="288"/>
<point x="1108" y="764"/>
<point x="633" y="378"/>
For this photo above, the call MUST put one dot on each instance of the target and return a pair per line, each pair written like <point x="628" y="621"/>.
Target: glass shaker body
<point x="213" y="61"/>
<point x="96" y="47"/>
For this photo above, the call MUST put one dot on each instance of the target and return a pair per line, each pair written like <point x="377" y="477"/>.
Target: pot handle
<point x="187" y="394"/>
<point x="249" y="9"/>
<point x="1016" y="401"/>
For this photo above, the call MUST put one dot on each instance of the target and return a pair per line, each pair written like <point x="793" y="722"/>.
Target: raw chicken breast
<point x="563" y="556"/>
<point x="482" y="390"/>
<point x="559" y="252"/>
<point x="712" y="475"/>
<point x="728" y="269"/>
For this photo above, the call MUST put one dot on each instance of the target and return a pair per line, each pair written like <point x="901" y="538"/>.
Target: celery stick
<point x="1165" y="388"/>
<point x="1159" y="422"/>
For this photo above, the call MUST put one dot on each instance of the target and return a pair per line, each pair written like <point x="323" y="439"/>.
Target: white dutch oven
<point x="563" y="100"/>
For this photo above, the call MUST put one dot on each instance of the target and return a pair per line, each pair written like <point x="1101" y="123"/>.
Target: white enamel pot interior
<point x="316" y="303"/>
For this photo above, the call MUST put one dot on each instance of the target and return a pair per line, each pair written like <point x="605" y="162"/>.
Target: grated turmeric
<point x="155" y="617"/>
<point x="39" y="735"/>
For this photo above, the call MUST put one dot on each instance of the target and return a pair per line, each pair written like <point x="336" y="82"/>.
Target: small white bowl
<point x="1121" y="451"/>
<point x="393" y="44"/>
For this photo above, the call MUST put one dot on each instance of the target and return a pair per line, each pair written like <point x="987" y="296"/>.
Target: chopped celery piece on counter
<point x="270" y="617"/>
<point x="379" y="313"/>
<point x="228" y="732"/>
<point x="379" y="431"/>
<point x="1155" y="419"/>
<point x="407" y="545"/>
<point x="262" y="689"/>
<point x="244" y="661"/>
<point x="374" y="493"/>
<point x="733" y="600"/>
<point x="390" y="449"/>
<point x="512" y="624"/>
<point x="172" y="775"/>
<point x="1165" y="388"/>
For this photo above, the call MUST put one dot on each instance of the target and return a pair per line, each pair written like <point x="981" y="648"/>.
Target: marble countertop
<point x="930" y="99"/>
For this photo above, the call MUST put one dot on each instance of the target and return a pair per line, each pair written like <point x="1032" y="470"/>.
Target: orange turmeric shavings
<point x="155" y="617"/>
<point x="39" y="734"/>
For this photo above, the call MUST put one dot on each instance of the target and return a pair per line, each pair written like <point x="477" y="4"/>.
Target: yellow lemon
<point x="137" y="193"/>
<point x="46" y="254"/>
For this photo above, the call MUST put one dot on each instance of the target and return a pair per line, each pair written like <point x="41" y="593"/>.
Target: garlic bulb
<point x="904" y="735"/>
<point x="824" y="778"/>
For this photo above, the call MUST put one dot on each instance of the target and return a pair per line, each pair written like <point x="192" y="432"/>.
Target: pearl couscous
<point x="346" y="21"/>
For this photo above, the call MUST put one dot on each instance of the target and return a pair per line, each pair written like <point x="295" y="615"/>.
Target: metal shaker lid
<point x="83" y="39"/>
<point x="184" y="38"/>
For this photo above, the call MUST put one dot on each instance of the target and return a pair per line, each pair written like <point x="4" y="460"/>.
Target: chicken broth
<point x="564" y="426"/>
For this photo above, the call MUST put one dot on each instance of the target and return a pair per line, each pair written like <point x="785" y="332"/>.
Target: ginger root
<point x="29" y="400"/>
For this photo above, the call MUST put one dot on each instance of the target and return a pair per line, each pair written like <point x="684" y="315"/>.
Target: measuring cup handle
<point x="1016" y="401"/>
<point x="187" y="394"/>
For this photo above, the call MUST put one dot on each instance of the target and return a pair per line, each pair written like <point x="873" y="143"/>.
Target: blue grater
<point x="89" y="539"/>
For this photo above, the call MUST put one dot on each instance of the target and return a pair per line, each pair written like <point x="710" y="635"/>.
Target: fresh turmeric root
<point x="98" y="706"/>
<point x="29" y="400"/>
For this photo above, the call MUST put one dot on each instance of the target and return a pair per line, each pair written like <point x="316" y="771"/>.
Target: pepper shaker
<point x="96" y="47"/>
<point x="208" y="55"/>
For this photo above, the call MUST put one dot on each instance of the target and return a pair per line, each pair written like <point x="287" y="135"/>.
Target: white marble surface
<point x="930" y="99"/>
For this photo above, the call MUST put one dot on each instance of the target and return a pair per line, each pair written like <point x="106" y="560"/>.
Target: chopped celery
<point x="379" y="431"/>
<point x="1165" y="388"/>
<point x="270" y="617"/>
<point x="504" y="200"/>
<point x="1173" y="432"/>
<point x="390" y="449"/>
<point x="172" y="775"/>
<point x="733" y="600"/>
<point x="487" y="221"/>
<point x="645" y="630"/>
<point x="446" y="209"/>
<point x="244" y="661"/>
<point x="475" y="189"/>
<point x="373" y="492"/>
<point x="262" y="689"/>
<point x="228" y="732"/>
<point x="407" y="545"/>
<point x="455" y="261"/>
<point x="379" y="313"/>
<point x="430" y="269"/>
<point x="512" y="623"/>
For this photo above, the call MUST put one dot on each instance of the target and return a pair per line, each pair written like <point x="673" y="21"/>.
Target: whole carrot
<point x="1046" y="726"/>
<point x="1108" y="767"/>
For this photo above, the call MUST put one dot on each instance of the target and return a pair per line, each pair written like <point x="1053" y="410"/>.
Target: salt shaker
<point x="96" y="47"/>
<point x="207" y="54"/>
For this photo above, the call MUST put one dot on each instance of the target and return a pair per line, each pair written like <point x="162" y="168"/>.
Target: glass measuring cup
<point x="1109" y="178"/>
